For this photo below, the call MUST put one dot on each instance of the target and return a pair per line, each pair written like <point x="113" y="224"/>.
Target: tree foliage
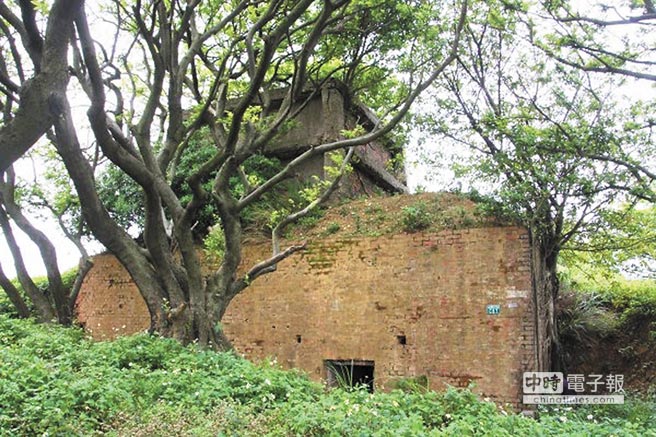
<point x="623" y="241"/>
<point x="601" y="37"/>
<point x="185" y="98"/>
<point x="548" y="138"/>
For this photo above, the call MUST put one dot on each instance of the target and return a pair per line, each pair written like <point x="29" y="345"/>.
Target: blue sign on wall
<point x="493" y="310"/>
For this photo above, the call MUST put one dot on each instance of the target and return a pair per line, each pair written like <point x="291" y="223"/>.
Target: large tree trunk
<point x="102" y="225"/>
<point x="545" y="288"/>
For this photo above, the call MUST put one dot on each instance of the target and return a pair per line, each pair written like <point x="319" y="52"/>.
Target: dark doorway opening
<point x="350" y="374"/>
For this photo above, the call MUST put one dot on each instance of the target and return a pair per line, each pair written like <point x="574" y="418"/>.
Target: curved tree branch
<point x="35" y="116"/>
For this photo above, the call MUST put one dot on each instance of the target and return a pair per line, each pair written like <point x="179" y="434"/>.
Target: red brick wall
<point x="109" y="304"/>
<point x="351" y="299"/>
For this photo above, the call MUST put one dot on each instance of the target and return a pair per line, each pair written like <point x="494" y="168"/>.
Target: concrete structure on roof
<point x="327" y="113"/>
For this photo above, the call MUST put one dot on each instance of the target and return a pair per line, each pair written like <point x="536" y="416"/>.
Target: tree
<point x="547" y="139"/>
<point x="176" y="68"/>
<point x="605" y="37"/>
<point x="45" y="309"/>
<point x="27" y="114"/>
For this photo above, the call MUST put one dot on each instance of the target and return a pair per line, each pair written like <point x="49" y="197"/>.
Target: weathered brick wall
<point x="354" y="299"/>
<point x="109" y="304"/>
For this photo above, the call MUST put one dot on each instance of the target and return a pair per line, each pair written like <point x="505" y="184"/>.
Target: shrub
<point x="586" y="316"/>
<point x="415" y="217"/>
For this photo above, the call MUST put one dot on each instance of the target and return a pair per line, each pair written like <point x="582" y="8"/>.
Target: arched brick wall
<point x="109" y="304"/>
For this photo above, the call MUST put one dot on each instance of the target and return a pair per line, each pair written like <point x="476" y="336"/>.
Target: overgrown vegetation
<point x="608" y="323"/>
<point x="426" y="212"/>
<point x="604" y="305"/>
<point x="56" y="382"/>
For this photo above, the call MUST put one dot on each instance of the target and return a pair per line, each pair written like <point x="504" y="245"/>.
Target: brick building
<point x="454" y="306"/>
<point x="325" y="115"/>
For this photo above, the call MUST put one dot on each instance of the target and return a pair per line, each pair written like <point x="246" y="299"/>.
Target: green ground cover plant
<point x="57" y="382"/>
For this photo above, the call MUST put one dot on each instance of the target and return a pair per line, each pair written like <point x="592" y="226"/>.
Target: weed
<point x="415" y="217"/>
<point x="333" y="228"/>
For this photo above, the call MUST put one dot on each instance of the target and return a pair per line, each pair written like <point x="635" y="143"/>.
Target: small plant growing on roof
<point x="333" y="228"/>
<point x="415" y="217"/>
